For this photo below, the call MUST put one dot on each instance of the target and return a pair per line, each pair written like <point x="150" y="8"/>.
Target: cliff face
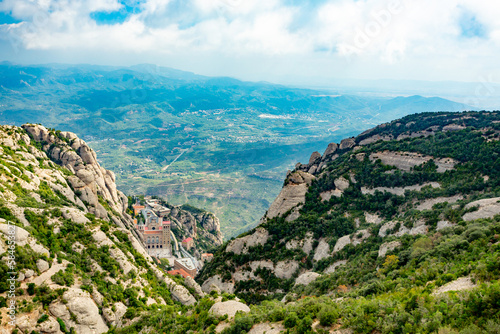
<point x="411" y="177"/>
<point x="93" y="185"/>
<point x="77" y="261"/>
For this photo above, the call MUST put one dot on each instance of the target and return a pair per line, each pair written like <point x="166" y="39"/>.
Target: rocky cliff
<point x="78" y="265"/>
<point x="202" y="226"/>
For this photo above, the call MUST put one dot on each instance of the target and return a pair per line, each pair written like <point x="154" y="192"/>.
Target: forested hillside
<point x="381" y="226"/>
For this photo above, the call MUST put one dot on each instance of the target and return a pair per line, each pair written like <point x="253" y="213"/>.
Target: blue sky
<point x="275" y="40"/>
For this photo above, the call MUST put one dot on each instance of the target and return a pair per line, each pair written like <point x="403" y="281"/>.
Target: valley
<point x="232" y="141"/>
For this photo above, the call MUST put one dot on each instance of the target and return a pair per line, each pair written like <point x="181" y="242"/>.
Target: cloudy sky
<point x="273" y="40"/>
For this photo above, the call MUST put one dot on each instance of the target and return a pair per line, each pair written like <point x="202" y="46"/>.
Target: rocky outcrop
<point x="286" y="269"/>
<point x="306" y="278"/>
<point x="306" y="244"/>
<point x="114" y="315"/>
<point x="400" y="191"/>
<point x="229" y="308"/>
<point x="388" y="246"/>
<point x="486" y="208"/>
<point x="268" y="328"/>
<point x="429" y="203"/>
<point x="191" y="283"/>
<point x="334" y="266"/>
<point x="216" y="283"/>
<point x="187" y="222"/>
<point x="79" y="312"/>
<point x="241" y="245"/>
<point x="322" y="250"/>
<point x="462" y="283"/>
<point x="347" y="143"/>
<point x="341" y="243"/>
<point x="405" y="161"/>
<point x="90" y="180"/>
<point x="292" y="195"/>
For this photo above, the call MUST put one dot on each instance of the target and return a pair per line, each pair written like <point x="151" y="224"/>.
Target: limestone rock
<point x="487" y="208"/>
<point x="49" y="326"/>
<point x="42" y="265"/>
<point x="372" y="218"/>
<point x="217" y="282"/>
<point x="326" y="195"/>
<point x="79" y="303"/>
<point x="443" y="224"/>
<point x="341" y="243"/>
<point x="462" y="283"/>
<point x="228" y="308"/>
<point x="400" y="191"/>
<point x="331" y="149"/>
<point x="334" y="266"/>
<point x="407" y="160"/>
<point x="359" y="237"/>
<point x="314" y="157"/>
<point x="241" y="245"/>
<point x="115" y="318"/>
<point x="286" y="269"/>
<point x="386" y="228"/>
<point x="190" y="282"/>
<point x="293" y="194"/>
<point x="429" y="203"/>
<point x="388" y="246"/>
<point x="20" y="234"/>
<point x="306" y="278"/>
<point x="341" y="183"/>
<point x="322" y="251"/>
<point x="74" y="215"/>
<point x="347" y="143"/>
<point x="29" y="273"/>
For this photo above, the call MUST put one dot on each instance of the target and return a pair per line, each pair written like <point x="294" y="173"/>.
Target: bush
<point x="328" y="316"/>
<point x="291" y="320"/>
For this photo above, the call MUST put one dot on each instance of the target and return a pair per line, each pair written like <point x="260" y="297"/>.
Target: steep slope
<point x="407" y="206"/>
<point x="76" y="262"/>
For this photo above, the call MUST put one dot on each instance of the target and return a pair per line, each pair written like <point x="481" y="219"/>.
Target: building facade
<point x="155" y="234"/>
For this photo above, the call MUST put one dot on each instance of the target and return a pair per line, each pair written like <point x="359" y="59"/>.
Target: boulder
<point x="29" y="273"/>
<point x="341" y="183"/>
<point x="314" y="157"/>
<point x="80" y="312"/>
<point x="347" y="143"/>
<point x="228" y="308"/>
<point x="19" y="233"/>
<point x="331" y="149"/>
<point x="182" y="295"/>
<point x="42" y="265"/>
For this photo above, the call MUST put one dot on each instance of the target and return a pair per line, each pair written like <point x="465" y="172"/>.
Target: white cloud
<point x="425" y="36"/>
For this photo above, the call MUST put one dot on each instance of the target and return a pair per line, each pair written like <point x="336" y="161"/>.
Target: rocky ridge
<point x="76" y="249"/>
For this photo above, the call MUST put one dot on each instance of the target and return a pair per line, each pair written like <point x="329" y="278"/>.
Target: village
<point x="155" y="230"/>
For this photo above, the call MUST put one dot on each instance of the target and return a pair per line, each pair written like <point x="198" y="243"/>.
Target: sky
<point x="293" y="41"/>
